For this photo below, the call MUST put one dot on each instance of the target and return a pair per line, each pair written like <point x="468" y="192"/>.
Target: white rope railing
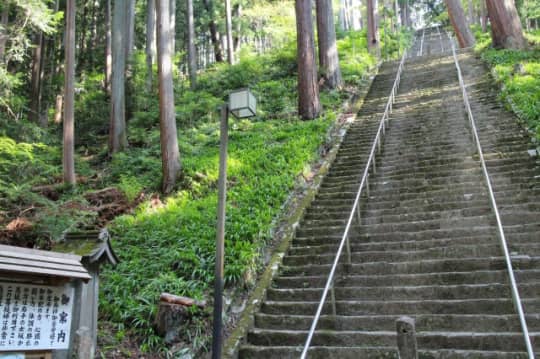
<point x="515" y="293"/>
<point x="377" y="142"/>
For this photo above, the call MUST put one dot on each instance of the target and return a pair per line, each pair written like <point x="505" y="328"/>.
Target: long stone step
<point x="424" y="322"/>
<point x="401" y="307"/>
<point x="416" y="266"/>
<point x="426" y="340"/>
<point x="355" y="352"/>
<point x="443" y="278"/>
<point x="468" y="291"/>
<point x="515" y="243"/>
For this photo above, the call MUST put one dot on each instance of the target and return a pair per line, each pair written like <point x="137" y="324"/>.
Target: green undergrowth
<point x="170" y="246"/>
<point x="518" y="74"/>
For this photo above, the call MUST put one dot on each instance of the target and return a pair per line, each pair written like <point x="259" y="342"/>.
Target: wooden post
<point x="220" y="237"/>
<point x="406" y="338"/>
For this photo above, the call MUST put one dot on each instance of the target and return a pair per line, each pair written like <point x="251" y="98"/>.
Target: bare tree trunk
<point x="35" y="94"/>
<point x="130" y="27"/>
<point x="4" y="18"/>
<point x="237" y="39"/>
<point x="117" y="128"/>
<point x="82" y="39"/>
<point x="58" y="109"/>
<point x="459" y="23"/>
<point x="169" y="136"/>
<point x="214" y="36"/>
<point x="192" y="55"/>
<point x="471" y="11"/>
<point x="69" y="109"/>
<point x="483" y="15"/>
<point x="228" y="20"/>
<point x="403" y="13"/>
<point x="506" y="30"/>
<point x="172" y="26"/>
<point x="108" y="46"/>
<point x="328" y="53"/>
<point x="308" y="87"/>
<point x="372" y="28"/>
<point x="396" y="10"/>
<point x="94" y="32"/>
<point x="150" y="36"/>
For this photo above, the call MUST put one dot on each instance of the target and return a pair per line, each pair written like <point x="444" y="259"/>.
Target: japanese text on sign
<point x="34" y="317"/>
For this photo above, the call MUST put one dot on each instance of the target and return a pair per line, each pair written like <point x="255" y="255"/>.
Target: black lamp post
<point x="242" y="104"/>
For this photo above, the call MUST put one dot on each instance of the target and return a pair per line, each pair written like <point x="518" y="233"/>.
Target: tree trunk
<point x="214" y="36"/>
<point x="228" y="20"/>
<point x="372" y="28"/>
<point x="58" y="109"/>
<point x="150" y="36"/>
<point x="308" y="87"/>
<point x="192" y="55"/>
<point x="506" y="31"/>
<point x="168" y="133"/>
<point x="172" y="26"/>
<point x="108" y="46"/>
<point x="483" y="15"/>
<point x="403" y="13"/>
<point x="459" y="23"/>
<point x="237" y="39"/>
<point x="396" y="10"/>
<point x="69" y="85"/>
<point x="328" y="53"/>
<point x="35" y="94"/>
<point x="4" y="18"/>
<point x="129" y="27"/>
<point x="117" y="128"/>
<point x="343" y="15"/>
<point x="82" y="39"/>
<point x="471" y="12"/>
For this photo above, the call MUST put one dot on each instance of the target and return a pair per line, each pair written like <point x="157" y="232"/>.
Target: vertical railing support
<point x="333" y="299"/>
<point x="406" y="338"/>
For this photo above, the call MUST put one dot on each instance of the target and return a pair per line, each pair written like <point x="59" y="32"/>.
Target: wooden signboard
<point x="35" y="317"/>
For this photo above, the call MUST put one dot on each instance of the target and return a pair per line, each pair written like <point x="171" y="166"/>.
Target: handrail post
<point x="333" y="299"/>
<point x="406" y="338"/>
<point x="367" y="186"/>
<point x="348" y="251"/>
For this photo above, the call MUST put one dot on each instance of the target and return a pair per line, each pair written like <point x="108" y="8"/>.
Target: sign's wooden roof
<point x="41" y="263"/>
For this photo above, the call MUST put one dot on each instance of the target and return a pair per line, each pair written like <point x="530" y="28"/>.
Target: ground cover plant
<point x="518" y="74"/>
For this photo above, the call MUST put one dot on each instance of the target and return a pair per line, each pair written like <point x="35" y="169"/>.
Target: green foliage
<point x="518" y="73"/>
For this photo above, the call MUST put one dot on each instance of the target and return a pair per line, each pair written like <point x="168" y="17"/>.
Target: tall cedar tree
<point x="192" y="55"/>
<point x="214" y="36"/>
<point x="228" y="25"/>
<point x="459" y="23"/>
<point x="69" y="86"/>
<point x="169" y="138"/>
<point x="108" y="46"/>
<point x="308" y="86"/>
<point x="506" y="30"/>
<point x="150" y="37"/>
<point x="117" y="128"/>
<point x="4" y="18"/>
<point x="372" y="28"/>
<point x="328" y="53"/>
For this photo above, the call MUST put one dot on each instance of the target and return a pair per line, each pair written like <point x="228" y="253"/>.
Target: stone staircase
<point x="427" y="246"/>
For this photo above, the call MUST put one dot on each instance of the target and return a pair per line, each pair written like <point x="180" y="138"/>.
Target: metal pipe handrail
<point x="515" y="293"/>
<point x="356" y="208"/>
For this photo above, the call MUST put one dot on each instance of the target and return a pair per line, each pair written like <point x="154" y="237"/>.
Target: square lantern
<point x="242" y="103"/>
